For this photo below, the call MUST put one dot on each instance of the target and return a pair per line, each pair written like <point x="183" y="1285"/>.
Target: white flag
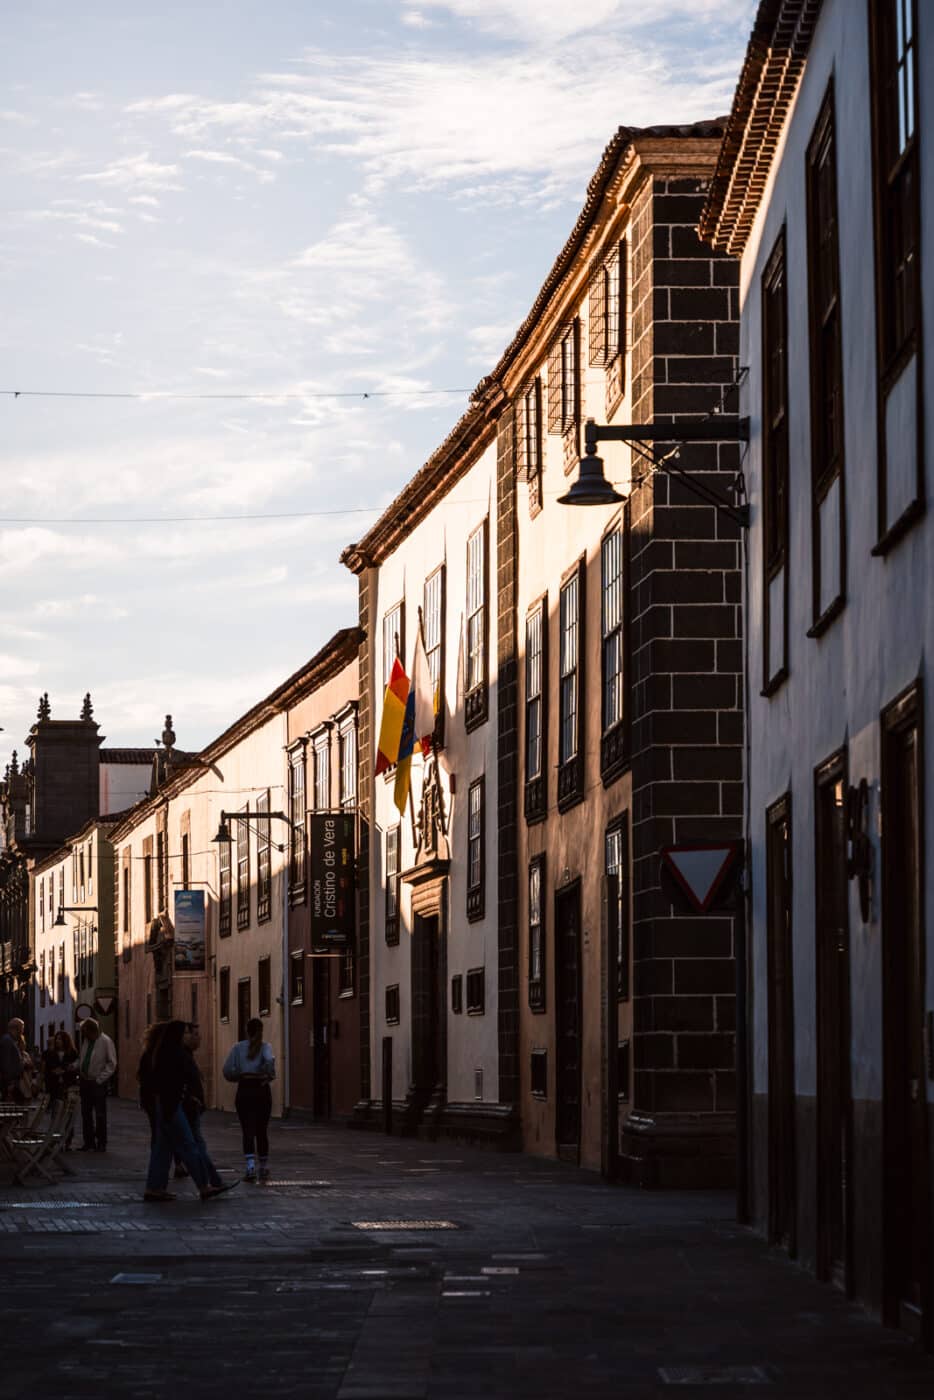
<point x="423" y="691"/>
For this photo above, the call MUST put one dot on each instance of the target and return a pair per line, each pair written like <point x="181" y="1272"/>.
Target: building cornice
<point x="632" y="156"/>
<point x="775" y="59"/>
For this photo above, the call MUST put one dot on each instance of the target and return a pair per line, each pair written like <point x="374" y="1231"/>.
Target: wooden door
<point x="833" y="1023"/>
<point x="781" y="1147"/>
<point x="568" y="1024"/>
<point x="387" y="1083"/>
<point x="428" y="1006"/>
<point x="907" y="1203"/>
<point x="321" y="1030"/>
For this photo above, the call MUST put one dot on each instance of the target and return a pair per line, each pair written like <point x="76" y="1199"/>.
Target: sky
<point x="302" y="201"/>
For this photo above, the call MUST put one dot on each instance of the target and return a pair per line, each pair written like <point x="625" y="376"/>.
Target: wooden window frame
<point x="263" y="986"/>
<point x="147" y="881"/>
<point x="476" y="889"/>
<point x="826" y="359"/>
<point x="162" y="863"/>
<point x="243" y="871"/>
<point x="537" y="995"/>
<point x="223" y="996"/>
<point x="535" y="796"/>
<point x="298" y="855"/>
<point x="615" y="745"/>
<point x="895" y="167"/>
<point x="529" y="441"/>
<point x="347" y="973"/>
<point x="320" y="741"/>
<point x="393" y="1005"/>
<point x="476" y="697"/>
<point x="397" y="635"/>
<point x="297" y="981"/>
<point x="347" y="743"/>
<point x="457" y="994"/>
<point x="571" y="764"/>
<point x="263" y="859"/>
<point x="474" y="981"/>
<point x="393" y="885"/>
<point x="224" y="889"/>
<point x="775" y="448"/>
<point x="438" y="648"/>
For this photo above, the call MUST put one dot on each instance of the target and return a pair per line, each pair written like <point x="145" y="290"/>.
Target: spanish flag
<point x="390" y="729"/>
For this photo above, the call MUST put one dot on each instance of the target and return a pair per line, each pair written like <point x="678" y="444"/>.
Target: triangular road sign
<point x="700" y="869"/>
<point x="103" y="1005"/>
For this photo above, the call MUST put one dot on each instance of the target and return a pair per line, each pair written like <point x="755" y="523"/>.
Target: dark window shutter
<point x="521" y="438"/>
<point x="578" y="371"/>
<point x="554" y="387"/>
<point x="623" y="302"/>
<point x="596" y="318"/>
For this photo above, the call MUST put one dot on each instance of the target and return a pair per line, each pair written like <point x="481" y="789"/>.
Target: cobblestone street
<point x="503" y="1276"/>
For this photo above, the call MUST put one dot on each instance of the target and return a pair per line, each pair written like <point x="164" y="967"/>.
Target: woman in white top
<point x="251" y="1065"/>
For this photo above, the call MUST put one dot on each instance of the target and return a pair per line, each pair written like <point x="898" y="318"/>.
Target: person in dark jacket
<point x="193" y="1104"/>
<point x="162" y="1074"/>
<point x="60" y="1065"/>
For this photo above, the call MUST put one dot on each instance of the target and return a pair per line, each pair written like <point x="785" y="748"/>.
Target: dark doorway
<point x="321" y="1014"/>
<point x="387" y="1084"/>
<point x="833" y="1023"/>
<point x="568" y="1024"/>
<point x="428" y="1005"/>
<point x="781" y="1149"/>
<point x="907" y="1222"/>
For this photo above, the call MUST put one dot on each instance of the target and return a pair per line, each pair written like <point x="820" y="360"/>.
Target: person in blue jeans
<point x="162" y="1073"/>
<point x="193" y="1099"/>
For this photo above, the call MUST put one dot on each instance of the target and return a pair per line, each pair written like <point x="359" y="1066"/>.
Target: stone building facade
<point x="822" y="189"/>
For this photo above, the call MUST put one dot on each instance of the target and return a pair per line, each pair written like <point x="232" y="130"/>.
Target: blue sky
<point x="287" y="199"/>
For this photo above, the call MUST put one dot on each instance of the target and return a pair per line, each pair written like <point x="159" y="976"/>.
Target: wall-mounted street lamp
<point x="64" y="909"/>
<point x="224" y="837"/>
<point x="592" y="488"/>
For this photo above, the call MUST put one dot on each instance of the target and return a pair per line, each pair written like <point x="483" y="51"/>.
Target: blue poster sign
<point x="189" y="931"/>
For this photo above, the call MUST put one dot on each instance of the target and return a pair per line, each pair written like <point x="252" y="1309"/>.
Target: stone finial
<point x="45" y="709"/>
<point x="14" y="764"/>
<point x="87" y="709"/>
<point x="168" y="735"/>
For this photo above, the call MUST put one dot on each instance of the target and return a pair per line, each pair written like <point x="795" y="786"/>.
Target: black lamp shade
<point x="223" y="833"/>
<point x="591" y="487"/>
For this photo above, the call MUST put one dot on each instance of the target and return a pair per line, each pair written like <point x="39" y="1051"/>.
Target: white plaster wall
<point x="53" y="1015"/>
<point x="472" y="1041"/>
<point x="838" y="684"/>
<point x="122" y="785"/>
<point x="235" y="780"/>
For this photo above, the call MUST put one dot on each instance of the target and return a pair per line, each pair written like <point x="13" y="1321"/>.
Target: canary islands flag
<point x="406" y="747"/>
<point x="390" y="729"/>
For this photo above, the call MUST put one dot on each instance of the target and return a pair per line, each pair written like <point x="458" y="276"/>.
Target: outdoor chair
<point x="41" y="1154"/>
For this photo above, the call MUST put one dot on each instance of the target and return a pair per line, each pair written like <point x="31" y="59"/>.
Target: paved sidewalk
<point x="543" y="1282"/>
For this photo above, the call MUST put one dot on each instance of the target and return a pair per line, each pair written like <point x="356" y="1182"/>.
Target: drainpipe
<point x="284" y="998"/>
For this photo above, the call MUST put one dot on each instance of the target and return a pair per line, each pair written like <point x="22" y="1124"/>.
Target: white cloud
<point x="137" y="173"/>
<point x="15" y="118"/>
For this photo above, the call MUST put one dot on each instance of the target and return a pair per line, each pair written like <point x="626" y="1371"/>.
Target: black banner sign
<point x="333" y="906"/>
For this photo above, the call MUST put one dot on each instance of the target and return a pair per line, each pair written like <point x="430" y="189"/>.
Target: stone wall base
<point x="480" y="1125"/>
<point x="680" y="1151"/>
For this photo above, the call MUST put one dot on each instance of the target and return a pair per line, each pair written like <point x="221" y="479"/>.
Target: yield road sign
<point x="700" y="868"/>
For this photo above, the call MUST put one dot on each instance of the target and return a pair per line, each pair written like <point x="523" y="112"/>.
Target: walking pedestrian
<point x="162" y="1074"/>
<point x="251" y="1065"/>
<point x="11" y="1060"/>
<point x="60" y="1065"/>
<point x="96" y="1067"/>
<point x="193" y="1099"/>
